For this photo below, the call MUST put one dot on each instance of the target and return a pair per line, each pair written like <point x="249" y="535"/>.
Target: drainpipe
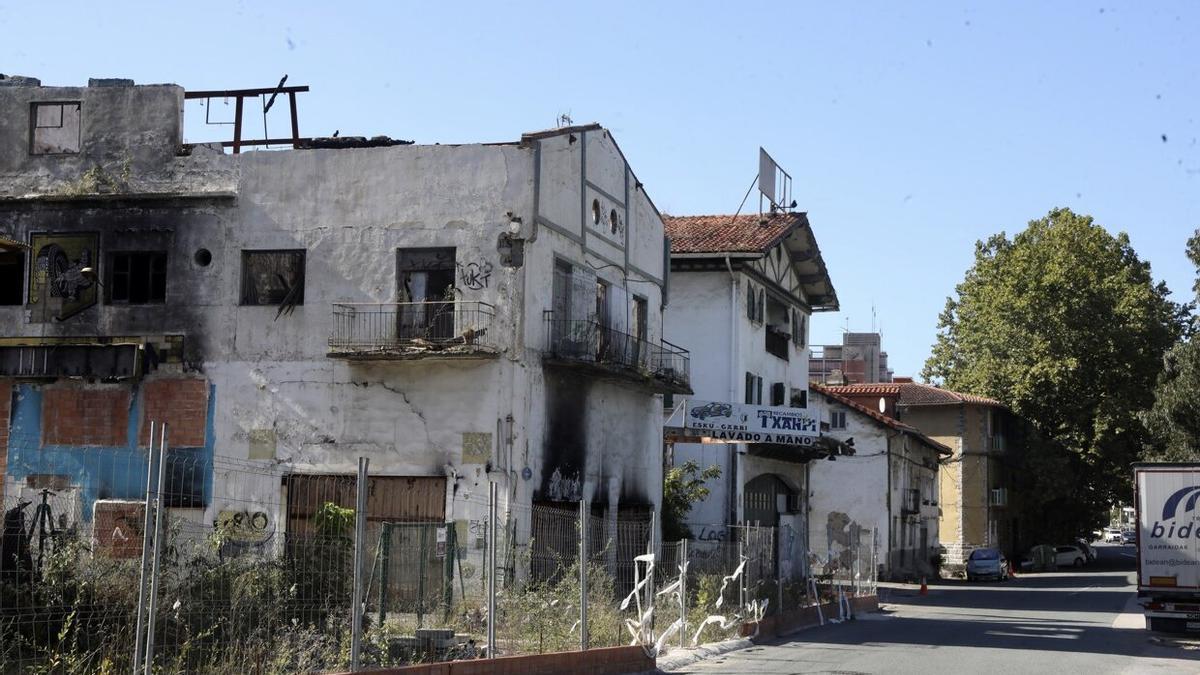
<point x="735" y="458"/>
<point x="888" y="436"/>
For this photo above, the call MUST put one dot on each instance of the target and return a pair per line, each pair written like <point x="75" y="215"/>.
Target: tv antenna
<point x="564" y="120"/>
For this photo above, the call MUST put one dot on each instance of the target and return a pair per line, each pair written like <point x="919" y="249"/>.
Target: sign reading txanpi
<point x="744" y="423"/>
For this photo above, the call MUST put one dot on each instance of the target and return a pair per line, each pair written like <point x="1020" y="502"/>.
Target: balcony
<point x="663" y="366"/>
<point x="413" y="330"/>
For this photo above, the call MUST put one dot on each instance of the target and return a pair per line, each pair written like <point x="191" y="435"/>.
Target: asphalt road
<point x="1064" y="622"/>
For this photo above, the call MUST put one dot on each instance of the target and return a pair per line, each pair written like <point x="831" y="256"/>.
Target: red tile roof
<point x="832" y="394"/>
<point x="914" y="394"/>
<point x="729" y="234"/>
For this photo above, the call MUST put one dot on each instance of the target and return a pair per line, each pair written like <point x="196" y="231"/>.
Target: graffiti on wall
<point x="242" y="530"/>
<point x="57" y="271"/>
<point x="564" y="488"/>
<point x="475" y="275"/>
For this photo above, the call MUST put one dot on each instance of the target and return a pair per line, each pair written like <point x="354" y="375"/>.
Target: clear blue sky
<point x="912" y="130"/>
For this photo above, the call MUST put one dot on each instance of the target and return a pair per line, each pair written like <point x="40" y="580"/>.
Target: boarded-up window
<point x="273" y="277"/>
<point x="55" y="128"/>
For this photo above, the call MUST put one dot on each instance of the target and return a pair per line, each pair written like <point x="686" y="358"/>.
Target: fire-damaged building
<point x="458" y="314"/>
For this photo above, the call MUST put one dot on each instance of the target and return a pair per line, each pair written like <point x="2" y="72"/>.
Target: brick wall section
<point x="182" y="403"/>
<point x="118" y="528"/>
<point x="6" y="396"/>
<point x="602" y="661"/>
<point x="85" y="415"/>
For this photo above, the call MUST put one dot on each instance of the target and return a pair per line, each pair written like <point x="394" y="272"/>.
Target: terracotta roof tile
<point x="914" y="394"/>
<point x="729" y="234"/>
<point x="832" y="393"/>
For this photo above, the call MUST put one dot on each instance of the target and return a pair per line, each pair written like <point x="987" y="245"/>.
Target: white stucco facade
<point x="548" y="426"/>
<point x="867" y="498"/>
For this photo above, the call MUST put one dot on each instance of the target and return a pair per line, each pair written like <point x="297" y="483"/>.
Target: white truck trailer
<point x="1168" y="544"/>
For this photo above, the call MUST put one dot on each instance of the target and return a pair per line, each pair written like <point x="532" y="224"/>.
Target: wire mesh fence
<point x="211" y="564"/>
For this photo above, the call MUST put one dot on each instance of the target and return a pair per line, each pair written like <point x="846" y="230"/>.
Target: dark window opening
<point x="425" y="279"/>
<point x="778" y="393"/>
<point x="12" y="277"/>
<point x="754" y="387"/>
<point x="799" y="398"/>
<point x="137" y="278"/>
<point x="54" y="128"/>
<point x="778" y="334"/>
<point x="273" y="278"/>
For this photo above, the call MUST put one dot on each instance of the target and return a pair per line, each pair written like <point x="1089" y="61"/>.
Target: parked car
<point x="1088" y="550"/>
<point x="1128" y="537"/>
<point x="1112" y="535"/>
<point x="1069" y="556"/>
<point x="987" y="563"/>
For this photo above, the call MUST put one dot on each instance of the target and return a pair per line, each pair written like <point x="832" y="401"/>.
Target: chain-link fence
<point x="238" y="566"/>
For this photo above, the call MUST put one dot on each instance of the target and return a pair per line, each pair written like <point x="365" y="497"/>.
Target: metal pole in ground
<point x="148" y="664"/>
<point x="652" y="550"/>
<point x="141" y="604"/>
<point x="491" y="570"/>
<point x="584" y="636"/>
<point x="682" y="591"/>
<point x="741" y="560"/>
<point x="360" y="544"/>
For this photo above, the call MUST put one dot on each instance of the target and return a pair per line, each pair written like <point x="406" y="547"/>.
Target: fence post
<point x="682" y="591"/>
<point x="584" y="513"/>
<point x="742" y="534"/>
<point x="360" y="532"/>
<point x="779" y="564"/>
<point x="148" y="664"/>
<point x="491" y="570"/>
<point x="652" y="550"/>
<point x="141" y="603"/>
<point x="385" y="543"/>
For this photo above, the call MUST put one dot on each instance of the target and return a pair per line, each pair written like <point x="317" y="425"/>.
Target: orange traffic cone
<point x="924" y="587"/>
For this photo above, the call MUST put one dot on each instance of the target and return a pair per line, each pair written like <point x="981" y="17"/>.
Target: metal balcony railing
<point x="413" y="329"/>
<point x="591" y="343"/>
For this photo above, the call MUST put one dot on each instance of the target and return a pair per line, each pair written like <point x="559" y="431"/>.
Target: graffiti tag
<point x="474" y="275"/>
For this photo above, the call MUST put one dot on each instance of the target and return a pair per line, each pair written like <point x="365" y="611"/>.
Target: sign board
<point x="1168" y="526"/>
<point x="745" y="423"/>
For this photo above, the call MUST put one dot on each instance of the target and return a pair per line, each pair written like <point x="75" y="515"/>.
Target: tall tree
<point x="1174" y="420"/>
<point x="1064" y="325"/>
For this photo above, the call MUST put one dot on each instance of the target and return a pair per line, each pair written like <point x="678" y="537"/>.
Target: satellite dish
<point x="882" y="404"/>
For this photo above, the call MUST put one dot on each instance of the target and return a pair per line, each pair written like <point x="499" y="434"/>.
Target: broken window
<point x="54" y="128"/>
<point x="425" y="279"/>
<point x="137" y="278"/>
<point x="273" y="278"/>
<point x="12" y="277"/>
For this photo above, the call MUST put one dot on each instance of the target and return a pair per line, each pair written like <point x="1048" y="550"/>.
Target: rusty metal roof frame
<point x="7" y="244"/>
<point x="239" y="96"/>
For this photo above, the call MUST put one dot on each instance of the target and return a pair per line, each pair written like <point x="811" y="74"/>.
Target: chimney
<point x="902" y="380"/>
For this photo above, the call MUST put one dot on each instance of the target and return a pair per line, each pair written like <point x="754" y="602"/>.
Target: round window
<point x="203" y="257"/>
<point x="595" y="211"/>
<point x="613" y="222"/>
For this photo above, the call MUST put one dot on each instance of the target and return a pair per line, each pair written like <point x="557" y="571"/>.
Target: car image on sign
<point x="712" y="410"/>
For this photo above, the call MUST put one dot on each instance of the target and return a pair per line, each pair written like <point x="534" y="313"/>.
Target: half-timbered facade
<point x="743" y="289"/>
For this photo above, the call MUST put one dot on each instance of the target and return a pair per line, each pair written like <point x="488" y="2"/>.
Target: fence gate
<point x="416" y="568"/>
